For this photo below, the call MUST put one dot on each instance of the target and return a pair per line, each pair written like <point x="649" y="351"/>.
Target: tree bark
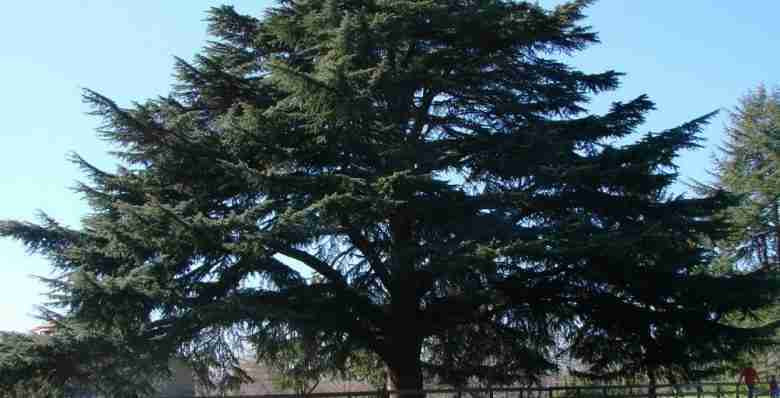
<point x="404" y="343"/>
<point x="404" y="349"/>
<point x="776" y="246"/>
<point x="405" y="376"/>
<point x="651" y="390"/>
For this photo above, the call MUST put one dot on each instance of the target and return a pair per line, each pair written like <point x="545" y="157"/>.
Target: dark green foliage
<point x="68" y="363"/>
<point x="414" y="179"/>
<point x="366" y="367"/>
<point x="294" y="361"/>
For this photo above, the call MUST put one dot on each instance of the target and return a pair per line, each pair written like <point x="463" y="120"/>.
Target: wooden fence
<point x="690" y="390"/>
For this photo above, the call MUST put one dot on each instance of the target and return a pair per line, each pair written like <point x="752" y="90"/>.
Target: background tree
<point x="294" y="363"/>
<point x="367" y="367"/>
<point x="398" y="177"/>
<point x="750" y="167"/>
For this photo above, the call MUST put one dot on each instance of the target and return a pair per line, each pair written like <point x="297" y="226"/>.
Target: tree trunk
<point x="405" y="376"/>
<point x="404" y="369"/>
<point x="405" y="340"/>
<point x="776" y="246"/>
<point x="651" y="390"/>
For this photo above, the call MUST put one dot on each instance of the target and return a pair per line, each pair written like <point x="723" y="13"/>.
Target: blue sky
<point x="690" y="56"/>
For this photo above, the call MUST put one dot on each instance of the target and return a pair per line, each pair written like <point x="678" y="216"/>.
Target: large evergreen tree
<point x="417" y="179"/>
<point x="749" y="166"/>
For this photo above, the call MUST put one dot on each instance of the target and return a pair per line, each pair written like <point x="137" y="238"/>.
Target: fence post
<point x="717" y="391"/>
<point x="604" y="390"/>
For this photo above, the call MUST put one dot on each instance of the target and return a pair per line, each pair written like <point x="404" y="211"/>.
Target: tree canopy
<point x="416" y="179"/>
<point x="748" y="166"/>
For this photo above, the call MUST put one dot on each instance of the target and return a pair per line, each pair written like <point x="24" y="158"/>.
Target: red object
<point x="750" y="375"/>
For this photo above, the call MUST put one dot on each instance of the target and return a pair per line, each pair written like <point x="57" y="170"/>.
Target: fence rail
<point x="689" y="390"/>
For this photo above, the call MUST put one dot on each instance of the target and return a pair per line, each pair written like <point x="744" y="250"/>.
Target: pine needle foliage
<point x="748" y="166"/>
<point x="416" y="179"/>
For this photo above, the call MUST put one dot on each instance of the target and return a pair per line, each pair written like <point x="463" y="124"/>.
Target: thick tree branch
<point x="422" y="112"/>
<point x="364" y="245"/>
<point x="312" y="262"/>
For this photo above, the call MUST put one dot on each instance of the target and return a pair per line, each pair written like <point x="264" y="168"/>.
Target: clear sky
<point x="691" y="57"/>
